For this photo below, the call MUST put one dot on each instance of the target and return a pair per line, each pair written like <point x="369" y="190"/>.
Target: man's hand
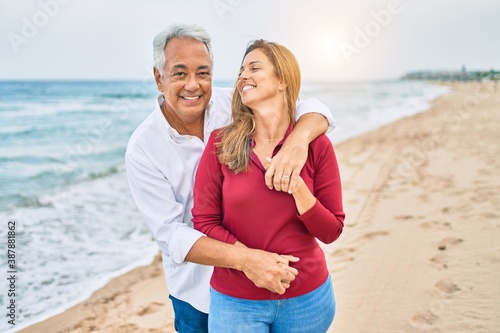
<point x="269" y="270"/>
<point x="284" y="169"/>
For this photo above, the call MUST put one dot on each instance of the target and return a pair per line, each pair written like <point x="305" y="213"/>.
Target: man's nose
<point x="192" y="83"/>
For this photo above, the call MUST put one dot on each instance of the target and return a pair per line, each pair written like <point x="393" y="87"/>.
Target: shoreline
<point x="138" y="300"/>
<point x="145" y="281"/>
<point x="107" y="281"/>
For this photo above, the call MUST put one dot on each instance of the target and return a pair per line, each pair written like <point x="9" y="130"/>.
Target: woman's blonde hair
<point x="233" y="149"/>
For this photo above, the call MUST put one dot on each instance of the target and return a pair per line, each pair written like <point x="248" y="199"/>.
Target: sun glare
<point x="328" y="48"/>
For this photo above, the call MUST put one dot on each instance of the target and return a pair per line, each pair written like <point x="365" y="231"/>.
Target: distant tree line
<point x="463" y="75"/>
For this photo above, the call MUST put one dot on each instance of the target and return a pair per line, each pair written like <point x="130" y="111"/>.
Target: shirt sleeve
<point x="207" y="208"/>
<point x="313" y="105"/>
<point x="325" y="220"/>
<point x="162" y="214"/>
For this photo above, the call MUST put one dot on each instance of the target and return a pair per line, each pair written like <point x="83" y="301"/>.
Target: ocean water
<point x="63" y="178"/>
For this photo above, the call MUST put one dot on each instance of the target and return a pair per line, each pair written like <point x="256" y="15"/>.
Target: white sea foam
<point x="74" y="243"/>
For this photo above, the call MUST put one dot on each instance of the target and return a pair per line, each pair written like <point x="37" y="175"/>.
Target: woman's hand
<point x="304" y="199"/>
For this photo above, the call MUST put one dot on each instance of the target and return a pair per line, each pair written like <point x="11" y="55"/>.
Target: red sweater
<point x="231" y="207"/>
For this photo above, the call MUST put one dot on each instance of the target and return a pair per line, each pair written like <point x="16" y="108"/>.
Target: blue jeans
<point x="312" y="312"/>
<point x="187" y="318"/>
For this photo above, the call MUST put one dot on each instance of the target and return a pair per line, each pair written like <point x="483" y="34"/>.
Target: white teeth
<point x="247" y="88"/>
<point x="191" y="98"/>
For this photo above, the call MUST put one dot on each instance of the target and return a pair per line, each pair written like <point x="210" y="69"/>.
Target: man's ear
<point x="158" y="80"/>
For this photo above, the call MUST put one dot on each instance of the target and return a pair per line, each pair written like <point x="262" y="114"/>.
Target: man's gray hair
<point x="177" y="31"/>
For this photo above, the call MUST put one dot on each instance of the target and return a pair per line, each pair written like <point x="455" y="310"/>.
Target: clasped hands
<point x="270" y="270"/>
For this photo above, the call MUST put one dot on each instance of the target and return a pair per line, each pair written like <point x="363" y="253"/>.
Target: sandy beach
<point x="420" y="249"/>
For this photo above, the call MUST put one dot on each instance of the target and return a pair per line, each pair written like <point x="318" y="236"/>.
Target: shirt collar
<point x="174" y="135"/>
<point x="208" y="109"/>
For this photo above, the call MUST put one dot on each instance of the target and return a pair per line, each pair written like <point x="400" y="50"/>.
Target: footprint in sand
<point x="436" y="225"/>
<point x="490" y="215"/>
<point x="489" y="194"/>
<point x="447" y="241"/>
<point x="127" y="328"/>
<point x="371" y="235"/>
<point x="151" y="308"/>
<point x="342" y="255"/>
<point x="425" y="320"/>
<point x="404" y="217"/>
<point x="440" y="260"/>
<point x="428" y="319"/>
<point x="445" y="286"/>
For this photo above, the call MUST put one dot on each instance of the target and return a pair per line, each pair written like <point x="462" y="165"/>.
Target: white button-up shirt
<point x="161" y="166"/>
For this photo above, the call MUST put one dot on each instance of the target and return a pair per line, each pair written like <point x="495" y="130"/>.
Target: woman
<point x="233" y="204"/>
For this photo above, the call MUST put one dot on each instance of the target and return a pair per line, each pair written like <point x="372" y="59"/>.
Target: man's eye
<point x="204" y="74"/>
<point x="179" y="74"/>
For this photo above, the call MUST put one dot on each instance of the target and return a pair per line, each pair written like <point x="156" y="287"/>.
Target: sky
<point x="333" y="40"/>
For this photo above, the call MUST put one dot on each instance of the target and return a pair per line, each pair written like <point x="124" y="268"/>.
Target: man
<point x="161" y="159"/>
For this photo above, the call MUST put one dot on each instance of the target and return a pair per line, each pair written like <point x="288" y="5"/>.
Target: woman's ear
<point x="281" y="86"/>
